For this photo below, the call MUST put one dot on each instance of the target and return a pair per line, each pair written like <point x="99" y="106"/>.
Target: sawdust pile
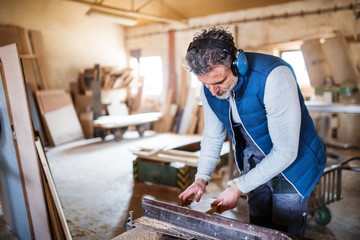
<point x="144" y="221"/>
<point x="138" y="234"/>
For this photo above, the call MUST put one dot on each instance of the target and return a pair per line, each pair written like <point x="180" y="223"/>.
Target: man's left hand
<point x="228" y="199"/>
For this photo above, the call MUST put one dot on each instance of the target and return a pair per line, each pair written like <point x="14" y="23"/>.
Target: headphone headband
<point x="239" y="64"/>
<point x="212" y="43"/>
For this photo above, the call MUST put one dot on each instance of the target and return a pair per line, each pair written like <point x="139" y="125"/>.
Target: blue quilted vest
<point x="308" y="167"/>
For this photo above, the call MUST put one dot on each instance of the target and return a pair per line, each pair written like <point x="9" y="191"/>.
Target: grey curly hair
<point x="202" y="61"/>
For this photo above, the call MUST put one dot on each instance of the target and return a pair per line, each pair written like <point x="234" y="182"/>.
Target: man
<point x="278" y="152"/>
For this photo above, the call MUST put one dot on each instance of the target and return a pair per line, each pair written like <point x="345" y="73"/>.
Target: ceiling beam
<point x="132" y="13"/>
<point x="142" y="6"/>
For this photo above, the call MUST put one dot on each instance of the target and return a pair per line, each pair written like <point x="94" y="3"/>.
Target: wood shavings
<point x="138" y="234"/>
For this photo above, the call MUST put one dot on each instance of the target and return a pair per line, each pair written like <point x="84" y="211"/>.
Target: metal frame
<point x="184" y="223"/>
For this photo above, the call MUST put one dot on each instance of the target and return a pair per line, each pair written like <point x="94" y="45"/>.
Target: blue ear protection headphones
<point x="239" y="63"/>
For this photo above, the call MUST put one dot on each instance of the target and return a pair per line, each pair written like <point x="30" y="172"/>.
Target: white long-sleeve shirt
<point x="283" y="113"/>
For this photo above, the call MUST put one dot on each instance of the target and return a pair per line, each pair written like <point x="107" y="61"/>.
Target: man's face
<point x="220" y="81"/>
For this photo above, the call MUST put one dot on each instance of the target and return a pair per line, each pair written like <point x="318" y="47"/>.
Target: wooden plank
<point x="184" y="86"/>
<point x="55" y="224"/>
<point x="13" y="203"/>
<point x="186" y="118"/>
<point x="37" y="44"/>
<point x="83" y="103"/>
<point x="194" y="121"/>
<point x="74" y="89"/>
<point x="163" y="124"/>
<point x="170" y="116"/>
<point x="201" y="124"/>
<point x="127" y="81"/>
<point x="204" y="205"/>
<point x="29" y="72"/>
<point x="42" y="111"/>
<point x="10" y="34"/>
<point x="86" y="121"/>
<point x="64" y="125"/>
<point x="120" y="80"/>
<point x="81" y="83"/>
<point x="37" y="120"/>
<point x="52" y="187"/>
<point x="59" y="115"/>
<point x="161" y="155"/>
<point x="51" y="100"/>
<point x="172" y="72"/>
<point x="23" y="138"/>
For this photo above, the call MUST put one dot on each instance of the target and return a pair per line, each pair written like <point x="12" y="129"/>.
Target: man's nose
<point x="213" y="90"/>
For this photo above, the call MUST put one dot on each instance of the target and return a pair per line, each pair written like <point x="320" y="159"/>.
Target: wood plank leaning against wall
<point x="26" y="171"/>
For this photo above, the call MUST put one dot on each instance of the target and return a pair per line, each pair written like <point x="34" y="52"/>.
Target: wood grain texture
<point x="62" y="232"/>
<point x="23" y="140"/>
<point x="51" y="100"/>
<point x="10" y="34"/>
<point x="11" y="191"/>
<point x="37" y="44"/>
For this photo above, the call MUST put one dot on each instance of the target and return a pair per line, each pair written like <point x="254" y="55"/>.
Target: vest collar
<point x="241" y="85"/>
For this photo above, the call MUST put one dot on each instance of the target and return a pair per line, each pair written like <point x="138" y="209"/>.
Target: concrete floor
<point x="95" y="185"/>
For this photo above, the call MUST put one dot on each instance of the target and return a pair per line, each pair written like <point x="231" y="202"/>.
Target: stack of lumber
<point x="51" y="110"/>
<point x="99" y="91"/>
<point x="107" y="78"/>
<point x="32" y="59"/>
<point x="187" y="115"/>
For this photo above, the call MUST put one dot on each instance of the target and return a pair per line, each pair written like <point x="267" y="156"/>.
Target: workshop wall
<point x="252" y="34"/>
<point x="72" y="40"/>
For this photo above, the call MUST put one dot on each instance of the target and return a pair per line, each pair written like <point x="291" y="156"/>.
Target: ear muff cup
<point x="239" y="65"/>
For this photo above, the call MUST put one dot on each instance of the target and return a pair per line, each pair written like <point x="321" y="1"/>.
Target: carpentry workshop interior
<point x="101" y="120"/>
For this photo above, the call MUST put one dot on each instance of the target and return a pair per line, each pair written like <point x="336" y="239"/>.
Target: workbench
<point x="119" y="124"/>
<point x="175" y="167"/>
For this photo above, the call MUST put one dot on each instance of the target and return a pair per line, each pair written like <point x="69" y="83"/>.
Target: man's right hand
<point x="197" y="188"/>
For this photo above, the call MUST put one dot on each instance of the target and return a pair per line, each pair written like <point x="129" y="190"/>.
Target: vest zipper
<point x="244" y="126"/>
<point x="233" y="133"/>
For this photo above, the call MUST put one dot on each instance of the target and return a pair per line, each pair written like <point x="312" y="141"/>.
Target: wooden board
<point x="23" y="139"/>
<point x="64" y="125"/>
<point x="160" y="155"/>
<point x="51" y="100"/>
<point x="204" y="205"/>
<point x="83" y="103"/>
<point x="201" y="123"/>
<point x="12" y="198"/>
<point x="338" y="55"/>
<point x="183" y="87"/>
<point x="63" y="232"/>
<point x="37" y="44"/>
<point x="187" y="116"/>
<point x="29" y="71"/>
<point x="172" y="86"/>
<point x="10" y="34"/>
<point x="37" y="121"/>
<point x="60" y="117"/>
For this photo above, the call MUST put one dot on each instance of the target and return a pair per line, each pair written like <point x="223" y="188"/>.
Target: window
<point x="151" y="69"/>
<point x="296" y="60"/>
<point x="194" y="82"/>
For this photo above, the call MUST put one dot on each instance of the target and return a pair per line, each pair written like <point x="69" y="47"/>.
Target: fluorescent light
<point x="127" y="21"/>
